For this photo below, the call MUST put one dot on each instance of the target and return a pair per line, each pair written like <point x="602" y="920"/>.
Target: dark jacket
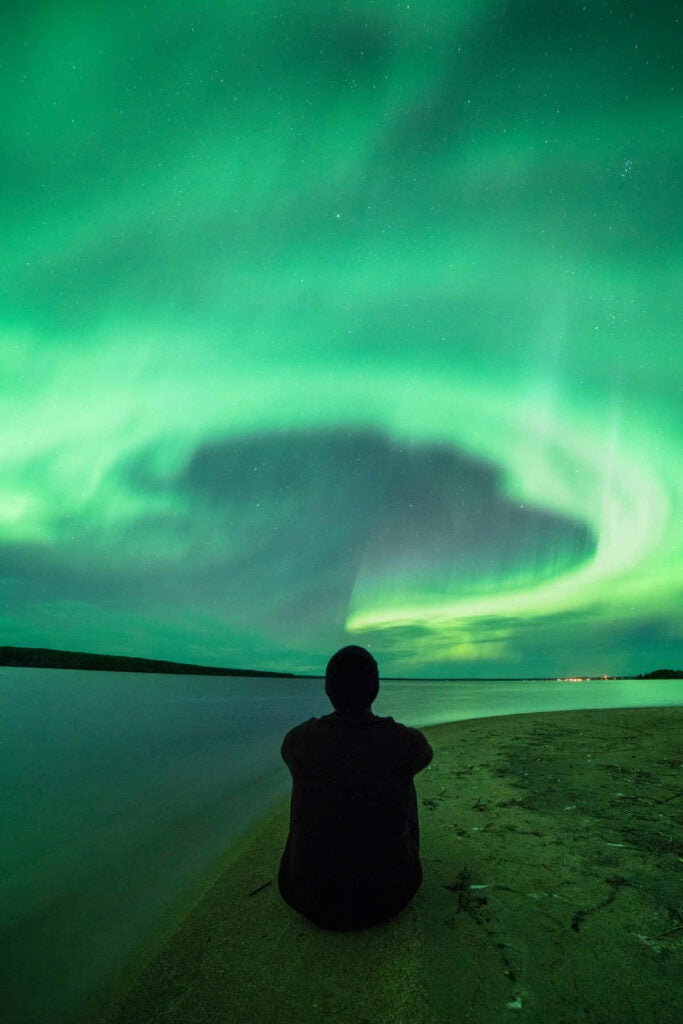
<point x="352" y="854"/>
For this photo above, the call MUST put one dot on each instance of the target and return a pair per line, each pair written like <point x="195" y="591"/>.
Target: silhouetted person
<point x="352" y="857"/>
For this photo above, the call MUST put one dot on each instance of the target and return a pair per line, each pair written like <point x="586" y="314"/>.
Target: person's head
<point x="352" y="680"/>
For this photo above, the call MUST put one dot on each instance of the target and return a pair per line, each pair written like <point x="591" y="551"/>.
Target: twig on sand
<point x="254" y="891"/>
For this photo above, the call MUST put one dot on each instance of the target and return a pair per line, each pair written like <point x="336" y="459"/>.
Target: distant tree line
<point x="662" y="673"/>
<point x="47" y="657"/>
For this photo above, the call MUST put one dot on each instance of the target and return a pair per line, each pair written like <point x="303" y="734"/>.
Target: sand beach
<point x="552" y="851"/>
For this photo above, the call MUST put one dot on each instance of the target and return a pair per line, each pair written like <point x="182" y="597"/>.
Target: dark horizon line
<point x="50" y="657"/>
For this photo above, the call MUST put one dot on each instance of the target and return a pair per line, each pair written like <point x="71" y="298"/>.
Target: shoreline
<point x="551" y="867"/>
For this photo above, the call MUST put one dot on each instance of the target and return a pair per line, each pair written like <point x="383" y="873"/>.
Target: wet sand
<point x="552" y="850"/>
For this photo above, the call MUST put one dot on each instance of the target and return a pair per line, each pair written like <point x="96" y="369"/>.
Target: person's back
<point x="352" y="854"/>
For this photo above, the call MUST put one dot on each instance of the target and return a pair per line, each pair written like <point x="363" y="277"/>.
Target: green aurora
<point x="344" y="323"/>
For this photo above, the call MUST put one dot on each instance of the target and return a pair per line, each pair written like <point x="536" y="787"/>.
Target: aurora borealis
<point x="344" y="323"/>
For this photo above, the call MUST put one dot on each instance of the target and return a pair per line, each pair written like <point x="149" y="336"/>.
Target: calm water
<point x="119" y="791"/>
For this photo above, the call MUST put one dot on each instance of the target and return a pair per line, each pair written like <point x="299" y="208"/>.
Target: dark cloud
<point x="308" y="508"/>
<point x="269" y="533"/>
<point x="338" y="495"/>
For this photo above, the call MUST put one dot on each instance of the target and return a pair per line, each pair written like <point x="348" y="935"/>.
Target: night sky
<point x="330" y="323"/>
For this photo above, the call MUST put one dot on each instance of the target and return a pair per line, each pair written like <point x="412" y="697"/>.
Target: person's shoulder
<point x="297" y="738"/>
<point x="416" y="742"/>
<point x="406" y="730"/>
<point x="408" y="733"/>
<point x="304" y="727"/>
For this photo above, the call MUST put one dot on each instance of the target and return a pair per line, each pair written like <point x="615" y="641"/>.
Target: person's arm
<point x="294" y="744"/>
<point x="421" y="753"/>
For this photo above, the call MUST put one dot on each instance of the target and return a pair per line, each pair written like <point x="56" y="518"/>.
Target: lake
<point x="121" y="790"/>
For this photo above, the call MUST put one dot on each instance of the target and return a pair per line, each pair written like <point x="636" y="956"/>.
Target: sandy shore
<point x="552" y="852"/>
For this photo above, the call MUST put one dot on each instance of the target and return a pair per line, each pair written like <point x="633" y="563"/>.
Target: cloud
<point x="272" y="532"/>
